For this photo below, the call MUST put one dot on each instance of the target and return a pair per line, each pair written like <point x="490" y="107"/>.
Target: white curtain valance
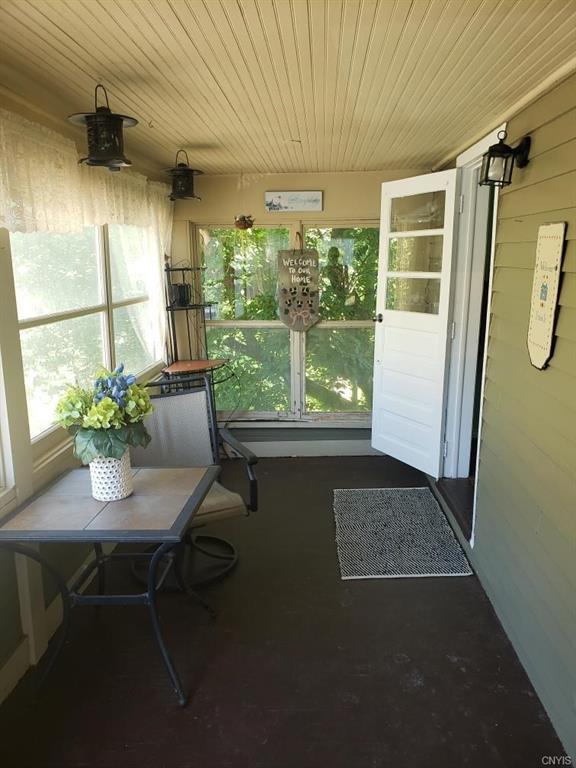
<point x="43" y="189"/>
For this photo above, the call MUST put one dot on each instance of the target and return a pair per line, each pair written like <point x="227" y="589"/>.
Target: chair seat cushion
<point x="219" y="504"/>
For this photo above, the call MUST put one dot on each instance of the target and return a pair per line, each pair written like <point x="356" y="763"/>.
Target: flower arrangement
<point x="104" y="421"/>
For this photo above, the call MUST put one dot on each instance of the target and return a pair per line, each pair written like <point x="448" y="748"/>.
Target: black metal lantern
<point x="183" y="179"/>
<point x="498" y="162"/>
<point x="105" y="134"/>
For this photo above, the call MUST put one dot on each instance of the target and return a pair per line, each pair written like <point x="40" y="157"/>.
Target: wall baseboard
<point x="19" y="662"/>
<point x="313" y="448"/>
<point x="14" y="669"/>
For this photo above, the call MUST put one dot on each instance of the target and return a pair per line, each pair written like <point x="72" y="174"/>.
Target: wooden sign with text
<point x="298" y="299"/>
<point x="545" y="290"/>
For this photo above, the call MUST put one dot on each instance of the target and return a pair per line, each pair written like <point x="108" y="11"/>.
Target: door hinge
<point x="453" y="331"/>
<point x="445" y="448"/>
<point x="461" y="204"/>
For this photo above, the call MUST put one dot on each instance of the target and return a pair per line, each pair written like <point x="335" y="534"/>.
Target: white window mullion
<point x="297" y="344"/>
<point x="108" y="320"/>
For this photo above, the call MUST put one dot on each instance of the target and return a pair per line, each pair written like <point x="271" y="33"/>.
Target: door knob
<point x="379" y="318"/>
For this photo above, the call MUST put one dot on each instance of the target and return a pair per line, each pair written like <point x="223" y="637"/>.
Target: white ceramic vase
<point x="111" y="478"/>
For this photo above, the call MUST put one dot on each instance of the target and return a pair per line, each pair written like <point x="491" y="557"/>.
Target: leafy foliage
<point x="58" y="272"/>
<point x="108" y="418"/>
<point x="241" y="275"/>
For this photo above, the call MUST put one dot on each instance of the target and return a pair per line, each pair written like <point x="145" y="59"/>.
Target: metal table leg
<point x="163" y="550"/>
<point x="101" y="568"/>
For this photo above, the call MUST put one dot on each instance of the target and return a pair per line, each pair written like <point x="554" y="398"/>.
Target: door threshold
<point x="458" y="493"/>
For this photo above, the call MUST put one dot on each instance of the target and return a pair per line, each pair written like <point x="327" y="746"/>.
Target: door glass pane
<point x="425" y="211"/>
<point x="260" y="360"/>
<point x="55" y="356"/>
<point x="413" y="294"/>
<point x="129" y="263"/>
<point x="55" y="273"/>
<point x="415" y="254"/>
<point x="241" y="271"/>
<point x="339" y="369"/>
<point x="134" y="336"/>
<point x="348" y="270"/>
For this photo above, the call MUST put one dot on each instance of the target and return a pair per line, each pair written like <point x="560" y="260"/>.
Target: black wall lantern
<point x="105" y="134"/>
<point x="182" y="179"/>
<point x="498" y="162"/>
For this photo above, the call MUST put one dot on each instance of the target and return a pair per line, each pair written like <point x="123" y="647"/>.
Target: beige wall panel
<point x="509" y="308"/>
<point x="554" y="162"/>
<point x="524" y="228"/>
<point x="557" y="646"/>
<point x="548" y="109"/>
<point x="550" y="195"/>
<point x="555" y="384"/>
<point x="558" y="444"/>
<point x="553" y="134"/>
<point x="347" y="196"/>
<point x="504" y="579"/>
<point x="523" y="256"/>
<point x="525" y="535"/>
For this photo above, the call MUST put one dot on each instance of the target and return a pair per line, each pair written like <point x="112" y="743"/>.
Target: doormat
<point x="388" y="533"/>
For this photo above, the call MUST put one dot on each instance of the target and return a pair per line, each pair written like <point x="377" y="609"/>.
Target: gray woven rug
<point x="393" y="532"/>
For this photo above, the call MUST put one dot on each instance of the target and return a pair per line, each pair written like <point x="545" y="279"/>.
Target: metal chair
<point x="185" y="433"/>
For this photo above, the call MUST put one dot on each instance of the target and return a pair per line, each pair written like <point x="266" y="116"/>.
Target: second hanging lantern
<point x="183" y="179"/>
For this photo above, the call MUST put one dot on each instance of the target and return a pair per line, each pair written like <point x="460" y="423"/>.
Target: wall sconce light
<point x="498" y="162"/>
<point x="183" y="179"/>
<point x="105" y="134"/>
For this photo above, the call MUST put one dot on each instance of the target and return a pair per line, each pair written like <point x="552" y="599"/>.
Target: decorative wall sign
<point x="545" y="289"/>
<point x="292" y="201"/>
<point x="298" y="299"/>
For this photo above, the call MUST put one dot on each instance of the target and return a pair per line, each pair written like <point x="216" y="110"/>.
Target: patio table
<point x="159" y="511"/>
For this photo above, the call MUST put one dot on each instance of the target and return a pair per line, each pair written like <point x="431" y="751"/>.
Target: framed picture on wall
<point x="288" y="201"/>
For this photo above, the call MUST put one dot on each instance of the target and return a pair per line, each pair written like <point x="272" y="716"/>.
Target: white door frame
<point x="462" y="377"/>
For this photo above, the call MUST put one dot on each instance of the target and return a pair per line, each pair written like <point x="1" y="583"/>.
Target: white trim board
<point x="295" y="448"/>
<point x="14" y="669"/>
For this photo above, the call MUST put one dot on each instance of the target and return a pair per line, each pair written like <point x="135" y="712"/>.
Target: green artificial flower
<point x="105" y="414"/>
<point x="105" y="420"/>
<point x="73" y="406"/>
<point x="138" y="404"/>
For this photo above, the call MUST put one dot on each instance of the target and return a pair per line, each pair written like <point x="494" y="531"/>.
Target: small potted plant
<point x="104" y="422"/>
<point x="244" y="221"/>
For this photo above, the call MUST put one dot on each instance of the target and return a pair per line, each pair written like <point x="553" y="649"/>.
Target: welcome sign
<point x="298" y="286"/>
<point x="545" y="289"/>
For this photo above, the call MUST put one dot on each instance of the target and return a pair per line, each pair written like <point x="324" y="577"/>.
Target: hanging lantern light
<point x="183" y="179"/>
<point x="105" y="134"/>
<point x="498" y="162"/>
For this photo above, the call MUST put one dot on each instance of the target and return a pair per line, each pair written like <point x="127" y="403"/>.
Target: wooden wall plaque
<point x="298" y="288"/>
<point x="545" y="291"/>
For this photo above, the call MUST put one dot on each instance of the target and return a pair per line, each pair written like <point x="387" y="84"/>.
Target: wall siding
<point x="525" y="538"/>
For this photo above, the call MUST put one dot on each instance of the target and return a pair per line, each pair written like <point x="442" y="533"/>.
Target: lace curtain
<point x="43" y="189"/>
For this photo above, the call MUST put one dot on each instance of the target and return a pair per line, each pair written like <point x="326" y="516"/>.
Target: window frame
<point x="298" y="416"/>
<point x="51" y="438"/>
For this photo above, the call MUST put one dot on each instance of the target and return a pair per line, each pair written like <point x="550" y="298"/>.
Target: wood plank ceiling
<point x="271" y="86"/>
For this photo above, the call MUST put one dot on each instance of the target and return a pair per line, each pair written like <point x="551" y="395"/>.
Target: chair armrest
<point x="250" y="458"/>
<point x="237" y="446"/>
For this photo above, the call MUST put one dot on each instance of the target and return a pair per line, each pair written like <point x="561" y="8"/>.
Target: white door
<point x="412" y="313"/>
